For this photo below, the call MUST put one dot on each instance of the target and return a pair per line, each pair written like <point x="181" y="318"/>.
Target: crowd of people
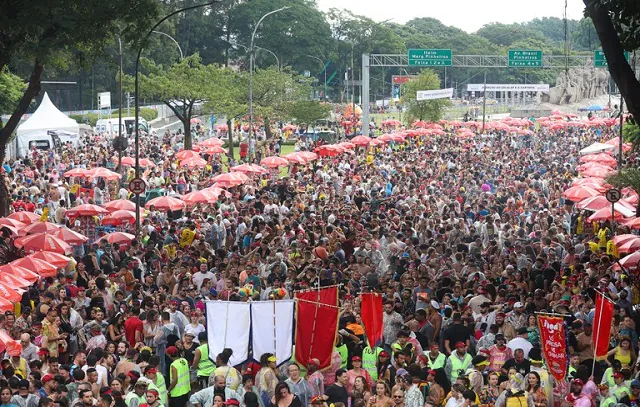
<point x="465" y="239"/>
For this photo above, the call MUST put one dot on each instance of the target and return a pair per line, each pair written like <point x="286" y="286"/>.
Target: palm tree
<point x="627" y="178"/>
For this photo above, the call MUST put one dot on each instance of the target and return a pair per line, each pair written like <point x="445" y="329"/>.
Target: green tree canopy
<point x="11" y="90"/>
<point x="431" y="110"/>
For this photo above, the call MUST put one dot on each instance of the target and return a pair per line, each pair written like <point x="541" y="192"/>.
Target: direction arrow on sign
<point x="137" y="186"/>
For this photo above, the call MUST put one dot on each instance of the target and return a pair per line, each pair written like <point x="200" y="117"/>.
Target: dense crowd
<point x="465" y="239"/>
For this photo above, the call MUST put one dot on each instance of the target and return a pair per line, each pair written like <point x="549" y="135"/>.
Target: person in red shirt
<point x="133" y="327"/>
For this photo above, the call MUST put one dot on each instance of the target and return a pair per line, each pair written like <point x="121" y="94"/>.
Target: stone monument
<point x="577" y="84"/>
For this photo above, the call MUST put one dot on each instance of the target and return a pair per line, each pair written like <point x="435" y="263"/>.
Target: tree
<point x="431" y="110"/>
<point x="617" y="23"/>
<point x="180" y="87"/>
<point x="631" y="134"/>
<point x="11" y="89"/>
<point x="627" y="178"/>
<point x="46" y="32"/>
<point x="307" y="111"/>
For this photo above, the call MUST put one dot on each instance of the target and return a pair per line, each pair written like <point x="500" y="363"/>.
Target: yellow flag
<point x="45" y="214"/>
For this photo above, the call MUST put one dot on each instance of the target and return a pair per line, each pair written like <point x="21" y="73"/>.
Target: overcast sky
<point x="468" y="15"/>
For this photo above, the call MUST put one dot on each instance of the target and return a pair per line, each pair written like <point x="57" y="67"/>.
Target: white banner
<point x="508" y="87"/>
<point x="228" y="326"/>
<point x="272" y="327"/>
<point x="434" y="94"/>
<point x="104" y="100"/>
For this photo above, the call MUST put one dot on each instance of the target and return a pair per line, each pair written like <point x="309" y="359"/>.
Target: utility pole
<point x="484" y="102"/>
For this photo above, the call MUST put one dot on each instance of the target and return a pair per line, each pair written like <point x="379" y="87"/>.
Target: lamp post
<point x="120" y="108"/>
<point x="235" y="44"/>
<point x="251" y="51"/>
<point x="174" y="41"/>
<point x="324" y="68"/>
<point x="137" y="90"/>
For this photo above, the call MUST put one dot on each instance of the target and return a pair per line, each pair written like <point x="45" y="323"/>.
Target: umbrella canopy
<point x="72" y="237"/>
<point x="631" y="261"/>
<point x="308" y="155"/>
<point x="211" y="142"/>
<point x="43" y="242"/>
<point x="22" y="268"/>
<point x="605" y="214"/>
<point x="40" y="227"/>
<point x="620" y="239"/>
<point x="327" y="151"/>
<point x="120" y="204"/>
<point x="580" y="192"/>
<point x="214" y="150"/>
<point x="130" y="161"/>
<point x="601" y="158"/>
<point x="117" y="237"/>
<point x="145" y="162"/>
<point x="77" y="172"/>
<point x="86" y="210"/>
<point x="249" y="169"/>
<point x="13" y="281"/>
<point x="629" y="246"/>
<point x="193" y="162"/>
<point x="120" y="217"/>
<point x="104" y="174"/>
<point x="203" y="196"/>
<point x="12" y="222"/>
<point x="166" y="203"/>
<point x="230" y="179"/>
<point x="597" y="148"/>
<point x="295" y="158"/>
<point x="600" y="172"/>
<point x="9" y="293"/>
<point x="24" y="217"/>
<point x="216" y="191"/>
<point x="633" y="223"/>
<point x="361" y="140"/>
<point x="184" y="154"/>
<point x="50" y="257"/>
<point x="274" y="162"/>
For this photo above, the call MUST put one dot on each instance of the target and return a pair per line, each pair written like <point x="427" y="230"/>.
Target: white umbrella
<point x="597" y="148"/>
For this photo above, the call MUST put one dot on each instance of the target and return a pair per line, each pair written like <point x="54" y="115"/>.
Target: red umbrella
<point x="181" y="155"/>
<point x="104" y="174"/>
<point x="197" y="197"/>
<point x="128" y="161"/>
<point x="249" y="169"/>
<point x="216" y="191"/>
<point x="577" y="194"/>
<point x="120" y="217"/>
<point x="166" y="203"/>
<point x="24" y="217"/>
<point x="274" y="162"/>
<point x="5" y="306"/>
<point x="43" y="242"/>
<point x="600" y="172"/>
<point x="629" y="246"/>
<point x="295" y="158"/>
<point x="602" y="158"/>
<point x="214" y="150"/>
<point x="9" y="293"/>
<point x="633" y="223"/>
<point x="77" y="172"/>
<point x="594" y="203"/>
<point x="193" y="162"/>
<point x="386" y="137"/>
<point x="72" y="237"/>
<point x="40" y="227"/>
<point x="13" y="281"/>
<point x="308" y="155"/>
<point x="86" y="210"/>
<point x="54" y="258"/>
<point x="12" y="222"/>
<point x="211" y="142"/>
<point x="120" y="204"/>
<point x="230" y="179"/>
<point x="631" y="261"/>
<point x="582" y="181"/>
<point x="117" y="237"/>
<point x="22" y="268"/>
<point x="605" y="214"/>
<point x="145" y="162"/>
<point x="620" y="239"/>
<point x="327" y="151"/>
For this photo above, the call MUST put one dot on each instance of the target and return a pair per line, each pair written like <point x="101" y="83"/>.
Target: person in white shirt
<point x="520" y="342"/>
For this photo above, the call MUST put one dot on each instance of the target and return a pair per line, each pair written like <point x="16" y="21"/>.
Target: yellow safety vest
<point x="205" y="366"/>
<point x="162" y="386"/>
<point x="183" y="385"/>
<point x="369" y="360"/>
<point x="459" y="366"/>
<point x="441" y="359"/>
<point x="344" y="355"/>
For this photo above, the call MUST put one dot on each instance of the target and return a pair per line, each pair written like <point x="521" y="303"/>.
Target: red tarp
<point x="316" y="325"/>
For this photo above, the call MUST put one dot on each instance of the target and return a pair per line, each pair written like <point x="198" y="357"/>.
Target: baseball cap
<point x="578" y="381"/>
<point x="435" y="304"/>
<point x="232" y="402"/>
<point x="618" y="375"/>
<point x="460" y="344"/>
<point x="635" y="383"/>
<point x="151" y="370"/>
<point x="46" y="378"/>
<point x="356" y="358"/>
<point x="171" y="351"/>
<point x="517" y="305"/>
<point x="175" y="302"/>
<point x="384" y="354"/>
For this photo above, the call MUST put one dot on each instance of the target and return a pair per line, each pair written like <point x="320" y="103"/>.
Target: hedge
<point x="146" y="113"/>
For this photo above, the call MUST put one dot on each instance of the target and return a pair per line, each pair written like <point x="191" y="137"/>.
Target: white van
<point x="128" y="124"/>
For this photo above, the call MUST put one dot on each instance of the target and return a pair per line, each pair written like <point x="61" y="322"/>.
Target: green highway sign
<point x="600" y="61"/>
<point x="430" y="57"/>
<point x="524" y="58"/>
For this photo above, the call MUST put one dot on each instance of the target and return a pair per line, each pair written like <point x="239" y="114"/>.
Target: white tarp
<point x="47" y="117"/>
<point x="508" y="87"/>
<point x="434" y="94"/>
<point x="228" y="326"/>
<point x="597" y="148"/>
<point x="272" y="327"/>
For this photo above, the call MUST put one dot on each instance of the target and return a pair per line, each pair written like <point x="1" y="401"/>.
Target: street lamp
<point x="324" y="68"/>
<point x="174" y="41"/>
<point x="137" y="90"/>
<point x="235" y="44"/>
<point x="251" y="51"/>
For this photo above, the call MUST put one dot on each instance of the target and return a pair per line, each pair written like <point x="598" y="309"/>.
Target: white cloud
<point x="469" y="15"/>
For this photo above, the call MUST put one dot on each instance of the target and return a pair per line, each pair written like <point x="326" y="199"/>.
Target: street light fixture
<point x="174" y="41"/>
<point x="251" y="52"/>
<point x="235" y="44"/>
<point x="137" y="91"/>
<point x="324" y="68"/>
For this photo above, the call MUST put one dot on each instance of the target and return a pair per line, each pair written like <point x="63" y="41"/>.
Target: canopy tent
<point x="48" y="117"/>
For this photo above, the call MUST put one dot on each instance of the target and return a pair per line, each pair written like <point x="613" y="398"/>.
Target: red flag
<point x="554" y="348"/>
<point x="602" y="325"/>
<point x="372" y="317"/>
<point x="316" y="325"/>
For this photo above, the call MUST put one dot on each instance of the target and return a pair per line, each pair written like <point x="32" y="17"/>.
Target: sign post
<point x="430" y="57"/>
<point x="518" y="58"/>
<point x="613" y="195"/>
<point x="137" y="186"/>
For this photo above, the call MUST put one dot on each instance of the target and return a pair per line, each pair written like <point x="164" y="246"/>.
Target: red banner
<point x="372" y="317"/>
<point x="316" y="325"/>
<point x="554" y="348"/>
<point x="602" y="325"/>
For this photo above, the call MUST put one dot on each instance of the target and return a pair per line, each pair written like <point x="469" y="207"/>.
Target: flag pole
<point x="597" y="329"/>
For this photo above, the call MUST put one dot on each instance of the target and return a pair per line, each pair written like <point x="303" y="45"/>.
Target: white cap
<point x="435" y="304"/>
<point x="517" y="305"/>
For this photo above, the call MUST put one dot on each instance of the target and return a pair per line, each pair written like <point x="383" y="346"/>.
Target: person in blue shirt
<point x="5" y="398"/>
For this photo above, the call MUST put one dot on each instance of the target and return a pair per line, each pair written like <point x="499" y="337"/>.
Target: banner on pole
<point x="508" y="87"/>
<point x="372" y="317"/>
<point x="232" y="322"/>
<point x="554" y="348"/>
<point x="316" y="325"/>
<point x="602" y="325"/>
<point x="434" y="94"/>
<point x="272" y="328"/>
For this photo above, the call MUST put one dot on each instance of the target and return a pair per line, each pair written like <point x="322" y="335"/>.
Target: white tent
<point x="47" y="117"/>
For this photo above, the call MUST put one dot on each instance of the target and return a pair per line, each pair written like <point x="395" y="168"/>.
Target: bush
<point x="146" y="113"/>
<point x="89" y="119"/>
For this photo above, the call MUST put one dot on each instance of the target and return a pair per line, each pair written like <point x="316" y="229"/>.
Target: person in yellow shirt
<point x="171" y="249"/>
<point x="594" y="246"/>
<point x="187" y="235"/>
<point x="602" y="236"/>
<point x="369" y="159"/>
<point x="612" y="249"/>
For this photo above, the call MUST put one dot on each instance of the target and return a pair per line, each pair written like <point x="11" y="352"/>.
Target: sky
<point x="469" y="15"/>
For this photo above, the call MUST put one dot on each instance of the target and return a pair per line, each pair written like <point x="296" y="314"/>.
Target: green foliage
<point x="507" y="34"/>
<point x="11" y="88"/>
<point x="627" y="178"/>
<point x="307" y="111"/>
<point x="631" y="134"/>
<point x="90" y="118"/>
<point x="625" y="16"/>
<point x="431" y="110"/>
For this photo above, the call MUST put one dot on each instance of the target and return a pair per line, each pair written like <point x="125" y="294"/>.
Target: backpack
<point x="517" y="399"/>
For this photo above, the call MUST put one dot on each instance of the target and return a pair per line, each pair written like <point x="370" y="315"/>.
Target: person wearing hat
<point x="521" y="342"/>
<point x="620" y="388"/>
<point x="315" y="377"/>
<point x="458" y="362"/>
<point x="499" y="353"/>
<point x="201" y="363"/>
<point x="357" y="371"/>
<point x="576" y="396"/>
<point x="437" y="359"/>
<point x="153" y="383"/>
<point x="136" y="397"/>
<point x="517" y="318"/>
<point x="475" y="372"/>
<point x="153" y="398"/>
<point x="179" y="378"/>
<point x="606" y="398"/>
